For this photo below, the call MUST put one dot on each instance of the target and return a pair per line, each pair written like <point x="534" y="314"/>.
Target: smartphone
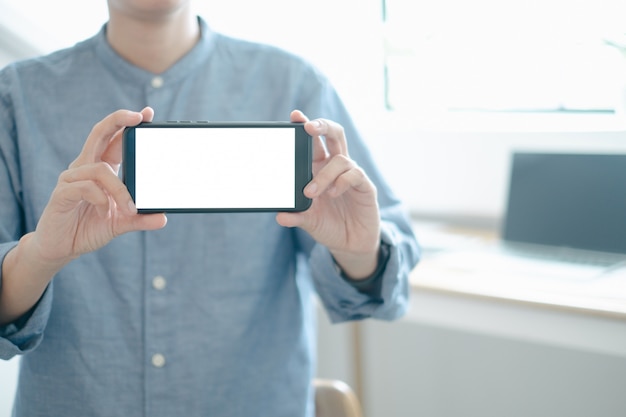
<point x="197" y="167"/>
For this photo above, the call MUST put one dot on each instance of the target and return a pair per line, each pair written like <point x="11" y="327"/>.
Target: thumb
<point x="289" y="219"/>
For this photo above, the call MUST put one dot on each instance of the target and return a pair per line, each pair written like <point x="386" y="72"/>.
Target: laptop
<point x="565" y="217"/>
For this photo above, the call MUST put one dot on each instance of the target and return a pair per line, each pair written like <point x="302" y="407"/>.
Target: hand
<point x="344" y="214"/>
<point x="90" y="205"/>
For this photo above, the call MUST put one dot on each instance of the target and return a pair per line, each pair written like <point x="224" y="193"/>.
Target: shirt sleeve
<point x="343" y="300"/>
<point x="25" y="333"/>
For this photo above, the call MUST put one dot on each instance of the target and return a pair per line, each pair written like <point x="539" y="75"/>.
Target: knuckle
<point x="119" y="188"/>
<point x="359" y="171"/>
<point x="102" y="168"/>
<point x="65" y="176"/>
<point x="83" y="186"/>
<point x="341" y="159"/>
<point x="345" y="161"/>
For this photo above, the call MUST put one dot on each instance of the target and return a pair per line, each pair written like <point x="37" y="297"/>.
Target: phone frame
<point x="303" y="163"/>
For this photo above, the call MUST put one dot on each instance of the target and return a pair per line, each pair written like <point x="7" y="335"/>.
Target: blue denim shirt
<point x="214" y="314"/>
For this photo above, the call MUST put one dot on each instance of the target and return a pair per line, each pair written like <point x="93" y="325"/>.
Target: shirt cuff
<point x="26" y="333"/>
<point x="373" y="283"/>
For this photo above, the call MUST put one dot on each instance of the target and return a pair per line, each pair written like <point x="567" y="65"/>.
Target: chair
<point x="335" y="398"/>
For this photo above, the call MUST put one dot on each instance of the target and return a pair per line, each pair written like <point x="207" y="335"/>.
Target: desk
<point x="605" y="296"/>
<point x="476" y="345"/>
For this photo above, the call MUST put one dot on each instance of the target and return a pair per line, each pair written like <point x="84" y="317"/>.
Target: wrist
<point x="27" y="255"/>
<point x="360" y="267"/>
<point x="25" y="276"/>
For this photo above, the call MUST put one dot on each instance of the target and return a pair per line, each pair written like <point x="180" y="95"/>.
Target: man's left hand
<point x="344" y="214"/>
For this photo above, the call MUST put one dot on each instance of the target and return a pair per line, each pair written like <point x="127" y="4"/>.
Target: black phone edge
<point x="302" y="202"/>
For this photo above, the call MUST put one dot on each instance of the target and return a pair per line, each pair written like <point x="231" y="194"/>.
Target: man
<point x="212" y="314"/>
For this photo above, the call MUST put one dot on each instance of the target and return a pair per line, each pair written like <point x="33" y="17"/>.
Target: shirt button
<point x="159" y="283"/>
<point x="158" y="360"/>
<point x="157" y="82"/>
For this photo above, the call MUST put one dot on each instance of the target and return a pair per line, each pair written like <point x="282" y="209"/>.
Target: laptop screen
<point x="570" y="200"/>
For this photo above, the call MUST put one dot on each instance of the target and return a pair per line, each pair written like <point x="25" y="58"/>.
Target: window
<point x="503" y="55"/>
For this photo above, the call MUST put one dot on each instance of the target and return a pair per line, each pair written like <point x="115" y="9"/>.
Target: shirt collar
<point x="124" y="70"/>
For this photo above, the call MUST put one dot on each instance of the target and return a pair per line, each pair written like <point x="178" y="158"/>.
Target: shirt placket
<point x="158" y="285"/>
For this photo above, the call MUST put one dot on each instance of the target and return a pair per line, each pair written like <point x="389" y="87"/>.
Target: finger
<point x="298" y="117"/>
<point x="352" y="179"/>
<point x="153" y="221"/>
<point x="319" y="148"/>
<point x="290" y="219"/>
<point x="332" y="131"/>
<point x="147" y="113"/>
<point x="113" y="153"/>
<point x="328" y="175"/>
<point x="103" y="175"/>
<point x="102" y="134"/>
<point x="74" y="193"/>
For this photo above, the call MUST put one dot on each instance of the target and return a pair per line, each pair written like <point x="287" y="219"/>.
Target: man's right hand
<point x="90" y="204"/>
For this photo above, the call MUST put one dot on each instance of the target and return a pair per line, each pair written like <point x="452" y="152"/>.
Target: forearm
<point x="25" y="277"/>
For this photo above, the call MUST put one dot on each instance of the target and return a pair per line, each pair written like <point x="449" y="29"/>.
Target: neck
<point x="153" y="43"/>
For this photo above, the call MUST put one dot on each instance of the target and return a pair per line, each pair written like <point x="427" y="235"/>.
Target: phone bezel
<point x="303" y="163"/>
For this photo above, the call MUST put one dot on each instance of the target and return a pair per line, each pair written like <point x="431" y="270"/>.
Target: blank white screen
<point x="197" y="168"/>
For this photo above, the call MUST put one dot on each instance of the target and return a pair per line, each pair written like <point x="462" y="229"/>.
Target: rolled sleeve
<point x="25" y="333"/>
<point x="343" y="301"/>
